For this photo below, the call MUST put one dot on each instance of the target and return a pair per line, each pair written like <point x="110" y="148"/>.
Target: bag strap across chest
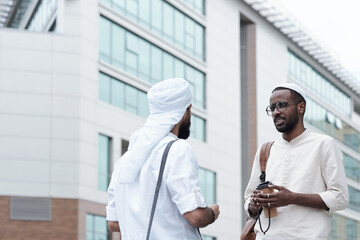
<point x="264" y="156"/>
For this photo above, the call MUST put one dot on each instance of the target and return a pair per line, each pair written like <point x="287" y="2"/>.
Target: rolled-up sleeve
<point x="336" y="197"/>
<point x="182" y="179"/>
<point x="110" y="208"/>
<point x="253" y="181"/>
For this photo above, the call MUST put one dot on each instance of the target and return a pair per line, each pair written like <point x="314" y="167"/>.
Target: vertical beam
<point x="248" y="101"/>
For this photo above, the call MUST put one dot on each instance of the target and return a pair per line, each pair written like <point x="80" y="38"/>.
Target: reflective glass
<point x="352" y="167"/>
<point x="117" y="94"/>
<point x="103" y="162"/>
<point x="197" y="128"/>
<point x="104" y="40"/>
<point x="318" y="116"/>
<point x="44" y="13"/>
<point x="207" y="181"/>
<point x="104" y="88"/>
<point x="126" y="97"/>
<point x="354" y="196"/>
<point x="96" y="227"/>
<point x="196" y="5"/>
<point x="205" y="237"/>
<point x="131" y="102"/>
<point x="146" y="61"/>
<point x="306" y="76"/>
<point x="117" y="46"/>
<point x="165" y="20"/>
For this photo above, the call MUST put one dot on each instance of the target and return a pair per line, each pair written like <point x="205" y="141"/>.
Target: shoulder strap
<point x="158" y="184"/>
<point x="264" y="155"/>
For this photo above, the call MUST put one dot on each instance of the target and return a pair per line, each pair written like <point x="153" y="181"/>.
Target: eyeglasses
<point x="280" y="106"/>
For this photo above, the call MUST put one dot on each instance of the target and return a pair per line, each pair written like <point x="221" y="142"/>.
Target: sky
<point x="336" y="23"/>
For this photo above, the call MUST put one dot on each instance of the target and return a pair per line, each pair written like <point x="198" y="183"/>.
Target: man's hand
<point x="216" y="211"/>
<point x="280" y="198"/>
<point x="254" y="207"/>
<point x="284" y="197"/>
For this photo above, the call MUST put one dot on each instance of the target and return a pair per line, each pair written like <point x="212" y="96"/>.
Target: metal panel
<point x="30" y="209"/>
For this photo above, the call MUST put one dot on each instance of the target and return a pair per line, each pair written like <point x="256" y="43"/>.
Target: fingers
<point x="275" y="187"/>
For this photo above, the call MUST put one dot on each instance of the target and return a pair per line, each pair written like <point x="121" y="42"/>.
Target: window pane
<point x="117" y="93"/>
<point x="131" y="99"/>
<point x="144" y="51"/>
<point x="168" y="68"/>
<point x="156" y="63"/>
<point x="103" y="162"/>
<point x="104" y="41"/>
<point x="118" y="46"/>
<point x="207" y="181"/>
<point x="143" y="105"/>
<point x="104" y="88"/>
<point x="167" y="22"/>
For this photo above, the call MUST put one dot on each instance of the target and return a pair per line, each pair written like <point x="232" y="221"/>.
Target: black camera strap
<point x="264" y="156"/>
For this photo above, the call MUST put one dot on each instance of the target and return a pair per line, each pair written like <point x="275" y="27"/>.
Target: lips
<point x="279" y="120"/>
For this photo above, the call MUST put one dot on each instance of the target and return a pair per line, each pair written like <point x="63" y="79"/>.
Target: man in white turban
<point x="180" y="208"/>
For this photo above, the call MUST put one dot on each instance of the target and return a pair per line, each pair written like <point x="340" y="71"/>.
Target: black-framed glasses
<point x="280" y="106"/>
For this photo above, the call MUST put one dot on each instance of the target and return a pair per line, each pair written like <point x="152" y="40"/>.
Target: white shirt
<point x="311" y="163"/>
<point x="130" y="204"/>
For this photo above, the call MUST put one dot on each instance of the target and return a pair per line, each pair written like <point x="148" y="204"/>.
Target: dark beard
<point x="184" y="129"/>
<point x="290" y="124"/>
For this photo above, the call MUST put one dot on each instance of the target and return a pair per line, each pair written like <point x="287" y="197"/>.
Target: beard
<point x="289" y="125"/>
<point x="184" y="129"/>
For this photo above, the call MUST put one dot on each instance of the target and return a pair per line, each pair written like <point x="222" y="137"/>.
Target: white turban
<point x="168" y="101"/>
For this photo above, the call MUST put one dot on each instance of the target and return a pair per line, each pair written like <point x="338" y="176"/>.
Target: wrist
<point x="212" y="216"/>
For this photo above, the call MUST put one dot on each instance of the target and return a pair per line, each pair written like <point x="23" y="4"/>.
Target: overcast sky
<point x="336" y="23"/>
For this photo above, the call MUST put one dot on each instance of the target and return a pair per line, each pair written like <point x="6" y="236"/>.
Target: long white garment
<point x="130" y="203"/>
<point x="310" y="163"/>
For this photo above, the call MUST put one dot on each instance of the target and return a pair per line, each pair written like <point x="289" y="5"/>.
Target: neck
<point x="288" y="136"/>
<point x="175" y="130"/>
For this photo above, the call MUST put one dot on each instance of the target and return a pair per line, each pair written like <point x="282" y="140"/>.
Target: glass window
<point x="117" y="93"/>
<point x="104" y="88"/>
<point x="156" y="64"/>
<point x="352" y="167"/>
<point x="205" y="237"/>
<point x="96" y="227"/>
<point x="306" y="76"/>
<point x="105" y="39"/>
<point x="169" y="23"/>
<point x="104" y="162"/>
<point x="196" y="5"/>
<point x="197" y="128"/>
<point x="354" y="196"/>
<point x="43" y="15"/>
<point x="117" y="46"/>
<point x="207" y="181"/>
<point x="131" y="98"/>
<point x="124" y="96"/>
<point x="188" y="35"/>
<point x="318" y="116"/>
<point x="146" y="61"/>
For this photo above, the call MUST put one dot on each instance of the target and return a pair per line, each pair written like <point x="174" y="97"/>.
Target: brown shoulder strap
<point x="264" y="155"/>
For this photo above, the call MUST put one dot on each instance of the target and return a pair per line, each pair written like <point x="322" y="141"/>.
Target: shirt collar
<point x="297" y="139"/>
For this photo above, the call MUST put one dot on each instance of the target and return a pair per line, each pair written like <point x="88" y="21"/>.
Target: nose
<point x="276" y="112"/>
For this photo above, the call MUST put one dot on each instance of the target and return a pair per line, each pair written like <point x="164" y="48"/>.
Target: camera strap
<point x="264" y="156"/>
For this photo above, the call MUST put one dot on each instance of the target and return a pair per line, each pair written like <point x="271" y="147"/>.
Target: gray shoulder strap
<point x="158" y="184"/>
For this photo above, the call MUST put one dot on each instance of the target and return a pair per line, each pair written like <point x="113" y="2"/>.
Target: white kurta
<point x="130" y="204"/>
<point x="311" y="163"/>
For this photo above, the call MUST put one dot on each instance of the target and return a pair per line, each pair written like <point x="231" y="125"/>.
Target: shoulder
<point x="182" y="146"/>
<point x="321" y="138"/>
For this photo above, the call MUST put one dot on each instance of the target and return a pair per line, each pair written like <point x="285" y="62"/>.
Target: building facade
<point x="73" y="81"/>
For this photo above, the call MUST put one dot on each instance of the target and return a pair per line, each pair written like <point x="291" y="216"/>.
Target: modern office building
<point x="73" y="81"/>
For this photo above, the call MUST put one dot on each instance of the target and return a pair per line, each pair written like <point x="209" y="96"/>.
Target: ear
<point x="301" y="108"/>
